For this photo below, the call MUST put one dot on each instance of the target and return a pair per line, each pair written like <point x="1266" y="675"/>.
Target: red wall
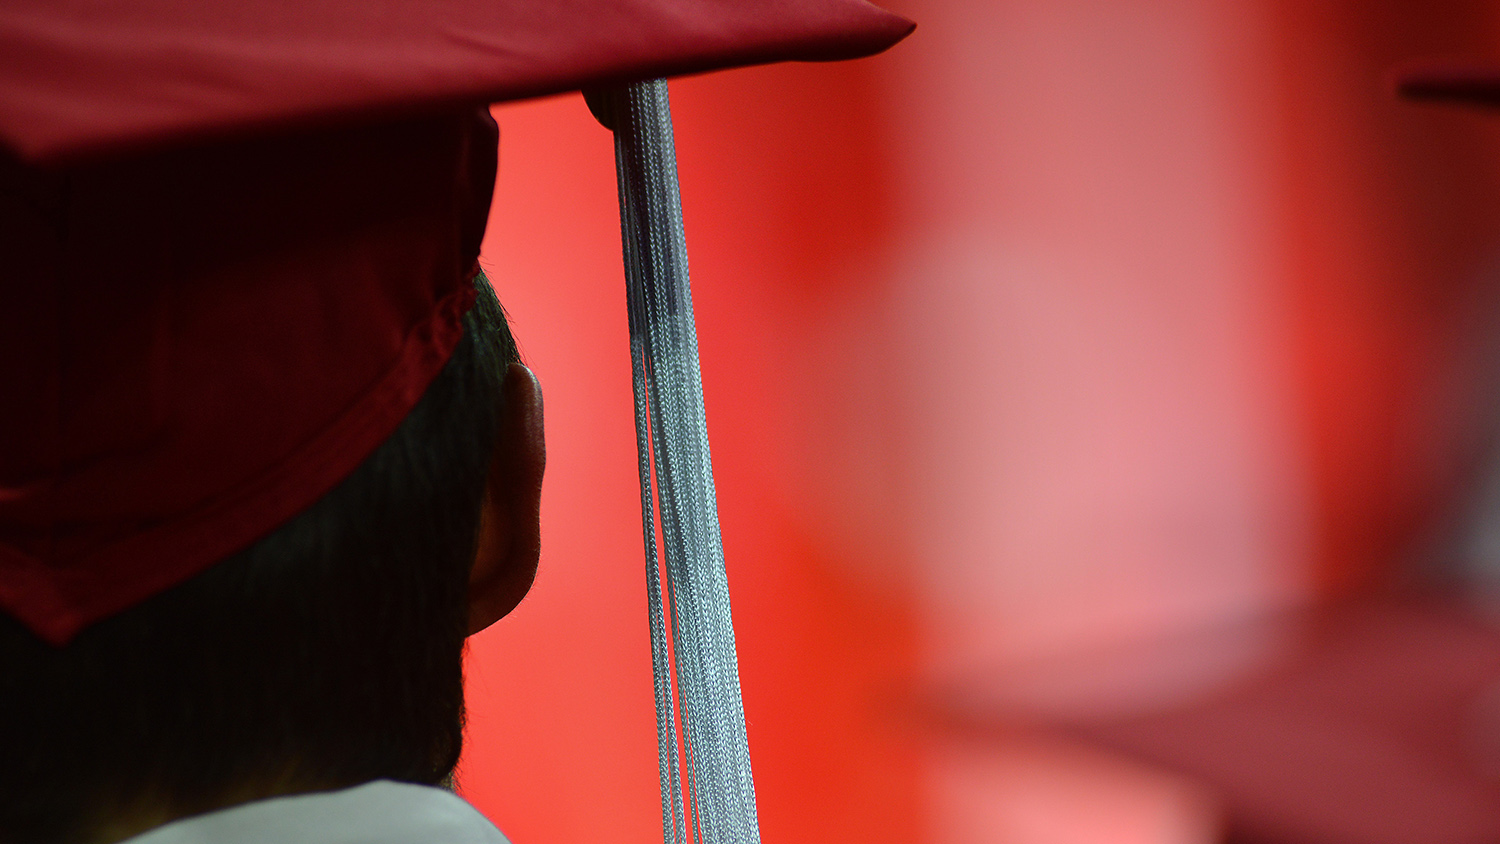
<point x="780" y="181"/>
<point x="1065" y="324"/>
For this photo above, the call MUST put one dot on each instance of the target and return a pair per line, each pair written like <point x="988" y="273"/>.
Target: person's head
<point x="261" y="470"/>
<point x="326" y="654"/>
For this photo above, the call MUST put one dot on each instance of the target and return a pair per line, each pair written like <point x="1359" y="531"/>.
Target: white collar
<point x="380" y="812"/>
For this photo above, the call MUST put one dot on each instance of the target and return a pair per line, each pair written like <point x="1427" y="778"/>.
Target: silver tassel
<point x="672" y="437"/>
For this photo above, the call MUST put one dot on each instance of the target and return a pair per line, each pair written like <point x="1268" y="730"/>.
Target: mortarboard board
<point x="1469" y="83"/>
<point x="290" y="198"/>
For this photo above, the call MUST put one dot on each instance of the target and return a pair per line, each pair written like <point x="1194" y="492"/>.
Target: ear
<point x="510" y="519"/>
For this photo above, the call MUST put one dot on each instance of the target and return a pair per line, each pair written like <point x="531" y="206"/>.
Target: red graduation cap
<point x="274" y="303"/>
<point x="237" y="241"/>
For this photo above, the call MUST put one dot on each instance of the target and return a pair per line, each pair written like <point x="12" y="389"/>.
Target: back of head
<point x="326" y="654"/>
<point x="249" y="413"/>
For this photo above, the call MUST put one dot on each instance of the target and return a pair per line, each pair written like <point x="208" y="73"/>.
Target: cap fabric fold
<point x="196" y="346"/>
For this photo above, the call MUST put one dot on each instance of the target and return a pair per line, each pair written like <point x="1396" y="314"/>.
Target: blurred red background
<point x="1063" y="330"/>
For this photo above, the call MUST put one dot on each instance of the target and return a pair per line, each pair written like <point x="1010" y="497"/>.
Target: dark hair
<point x="327" y="654"/>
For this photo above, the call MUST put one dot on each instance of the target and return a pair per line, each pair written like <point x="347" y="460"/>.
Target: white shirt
<point x="380" y="812"/>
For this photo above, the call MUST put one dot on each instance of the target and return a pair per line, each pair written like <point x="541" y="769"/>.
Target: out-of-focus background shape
<point x="1104" y="399"/>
